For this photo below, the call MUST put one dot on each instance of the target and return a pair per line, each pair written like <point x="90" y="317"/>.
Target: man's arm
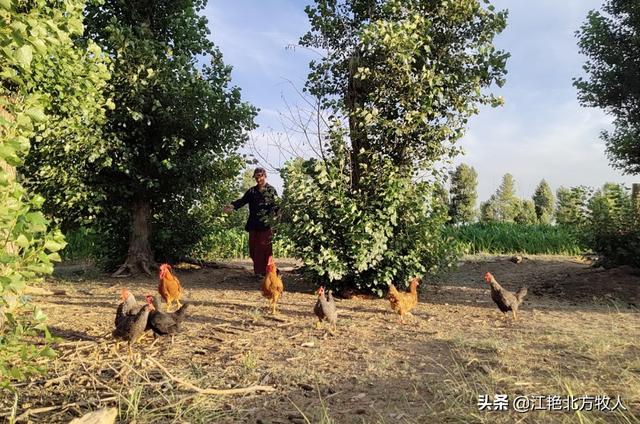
<point x="238" y="203"/>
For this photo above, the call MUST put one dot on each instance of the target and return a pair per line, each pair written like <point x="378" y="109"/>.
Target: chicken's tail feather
<point x="180" y="313"/>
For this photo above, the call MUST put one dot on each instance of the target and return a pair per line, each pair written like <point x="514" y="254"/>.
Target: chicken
<point x="131" y="328"/>
<point x="163" y="323"/>
<point x="505" y="300"/>
<point x="403" y="303"/>
<point x="128" y="306"/>
<point x="169" y="286"/>
<point x="325" y="308"/>
<point x="272" y="286"/>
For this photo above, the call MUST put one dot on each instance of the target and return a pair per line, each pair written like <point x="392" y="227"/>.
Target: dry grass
<point x="373" y="369"/>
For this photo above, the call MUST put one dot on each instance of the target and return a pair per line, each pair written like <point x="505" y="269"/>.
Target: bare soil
<point x="577" y="334"/>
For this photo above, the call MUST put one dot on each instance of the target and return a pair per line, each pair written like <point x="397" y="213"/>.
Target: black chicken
<point x="128" y="306"/>
<point x="162" y="323"/>
<point x="325" y="308"/>
<point x="131" y="327"/>
<point x="505" y="300"/>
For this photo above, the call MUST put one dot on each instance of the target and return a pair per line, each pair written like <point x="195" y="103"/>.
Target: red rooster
<point x="169" y="286"/>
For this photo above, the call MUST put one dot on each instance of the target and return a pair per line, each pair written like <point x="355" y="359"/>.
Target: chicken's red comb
<point x="321" y="289"/>
<point x="488" y="276"/>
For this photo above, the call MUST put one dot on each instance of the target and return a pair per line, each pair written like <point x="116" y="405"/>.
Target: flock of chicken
<point x="132" y="320"/>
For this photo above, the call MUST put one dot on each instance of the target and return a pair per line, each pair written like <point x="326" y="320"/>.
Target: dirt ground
<point x="577" y="334"/>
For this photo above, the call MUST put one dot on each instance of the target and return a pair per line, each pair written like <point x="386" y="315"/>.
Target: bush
<point x="366" y="238"/>
<point x="612" y="229"/>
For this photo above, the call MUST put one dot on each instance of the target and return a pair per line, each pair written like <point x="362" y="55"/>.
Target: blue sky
<point x="540" y="132"/>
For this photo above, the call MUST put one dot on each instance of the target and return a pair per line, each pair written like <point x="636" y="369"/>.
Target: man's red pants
<point x="260" y="249"/>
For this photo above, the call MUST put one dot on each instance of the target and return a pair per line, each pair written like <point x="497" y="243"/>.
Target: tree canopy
<point x="544" y="202"/>
<point x="463" y="194"/>
<point x="175" y="129"/>
<point x="610" y="39"/>
<point x="406" y="75"/>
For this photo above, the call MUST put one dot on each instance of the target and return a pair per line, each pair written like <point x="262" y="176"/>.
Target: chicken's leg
<point x="515" y="314"/>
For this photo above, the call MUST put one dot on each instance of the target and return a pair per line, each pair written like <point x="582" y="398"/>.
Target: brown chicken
<point x="403" y="303"/>
<point x="505" y="300"/>
<point x="169" y="287"/>
<point x="272" y="286"/>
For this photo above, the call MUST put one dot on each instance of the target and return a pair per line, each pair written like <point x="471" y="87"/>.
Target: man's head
<point x="260" y="175"/>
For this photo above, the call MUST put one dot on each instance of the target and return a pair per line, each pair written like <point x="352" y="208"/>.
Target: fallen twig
<point x="36" y="411"/>
<point x="195" y="388"/>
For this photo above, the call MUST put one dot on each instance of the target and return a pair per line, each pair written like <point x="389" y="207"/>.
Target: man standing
<point x="261" y="200"/>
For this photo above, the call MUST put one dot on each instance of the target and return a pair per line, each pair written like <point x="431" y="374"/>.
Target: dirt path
<point x="577" y="333"/>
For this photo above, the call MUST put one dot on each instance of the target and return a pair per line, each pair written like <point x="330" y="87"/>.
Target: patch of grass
<point x="319" y="414"/>
<point x="509" y="238"/>
<point x="542" y="361"/>
<point x="249" y="363"/>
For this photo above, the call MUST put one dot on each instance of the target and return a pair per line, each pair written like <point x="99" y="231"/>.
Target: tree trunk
<point x="353" y="101"/>
<point x="139" y="257"/>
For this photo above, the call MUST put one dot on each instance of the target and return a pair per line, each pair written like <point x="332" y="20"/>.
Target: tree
<point x="36" y="39"/>
<point x="399" y="80"/>
<point x="612" y="229"/>
<point x="406" y="75"/>
<point x="490" y="211"/>
<point x="571" y="205"/>
<point x="544" y="202"/>
<point x="176" y="128"/>
<point x="526" y="213"/>
<point x="507" y="202"/>
<point x="611" y="41"/>
<point x="463" y="194"/>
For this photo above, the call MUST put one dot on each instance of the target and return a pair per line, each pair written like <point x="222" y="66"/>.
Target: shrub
<point x="363" y="239"/>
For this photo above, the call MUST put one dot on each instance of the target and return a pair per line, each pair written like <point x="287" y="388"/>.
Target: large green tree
<point x="463" y="194"/>
<point x="400" y="80"/>
<point x="39" y="64"/>
<point x="406" y="75"/>
<point x="610" y="39"/>
<point x="544" y="202"/>
<point x="571" y="205"/>
<point x="176" y="127"/>
<point x="504" y="204"/>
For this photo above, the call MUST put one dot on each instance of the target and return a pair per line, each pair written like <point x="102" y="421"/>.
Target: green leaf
<point x="24" y="55"/>
<point x="22" y="241"/>
<point x="37" y="114"/>
<point x="5" y="4"/>
<point x="53" y="246"/>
